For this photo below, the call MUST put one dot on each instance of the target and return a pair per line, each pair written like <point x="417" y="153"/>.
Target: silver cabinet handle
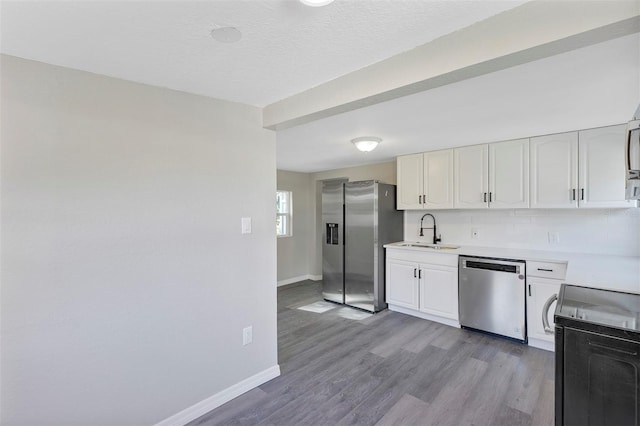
<point x="610" y="348"/>
<point x="545" y="314"/>
<point x="581" y="194"/>
<point x="415" y="273"/>
<point x="485" y="197"/>
<point x="419" y="199"/>
<point x="419" y="274"/>
<point x="573" y="194"/>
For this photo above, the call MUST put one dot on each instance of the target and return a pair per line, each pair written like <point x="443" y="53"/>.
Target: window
<point x="283" y="213"/>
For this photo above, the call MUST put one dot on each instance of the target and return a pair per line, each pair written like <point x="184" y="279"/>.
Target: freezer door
<point x="360" y="244"/>
<point x="333" y="241"/>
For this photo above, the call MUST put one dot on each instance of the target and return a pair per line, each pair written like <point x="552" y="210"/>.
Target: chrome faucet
<point x="436" y="240"/>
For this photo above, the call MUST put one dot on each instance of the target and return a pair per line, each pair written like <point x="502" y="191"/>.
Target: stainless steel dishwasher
<point x="492" y="296"/>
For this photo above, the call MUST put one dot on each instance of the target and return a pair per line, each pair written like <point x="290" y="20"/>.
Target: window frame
<point x="288" y="215"/>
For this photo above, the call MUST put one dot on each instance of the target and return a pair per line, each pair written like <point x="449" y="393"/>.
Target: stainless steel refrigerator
<point x="358" y="218"/>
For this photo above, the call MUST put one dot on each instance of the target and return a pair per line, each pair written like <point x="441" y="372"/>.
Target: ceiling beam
<point x="532" y="31"/>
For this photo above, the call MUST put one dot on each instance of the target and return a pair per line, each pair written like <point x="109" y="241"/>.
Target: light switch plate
<point x="247" y="335"/>
<point x="246" y="225"/>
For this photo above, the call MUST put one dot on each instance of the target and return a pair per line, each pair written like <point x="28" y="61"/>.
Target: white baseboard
<point x="298" y="279"/>
<point x="424" y="315"/>
<point x="542" y="344"/>
<point x="226" y="395"/>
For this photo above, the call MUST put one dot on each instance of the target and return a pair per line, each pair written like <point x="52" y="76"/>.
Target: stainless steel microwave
<point x="632" y="159"/>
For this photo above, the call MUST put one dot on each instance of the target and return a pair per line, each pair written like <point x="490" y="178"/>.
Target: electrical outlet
<point x="247" y="335"/>
<point x="554" y="237"/>
<point x="475" y="233"/>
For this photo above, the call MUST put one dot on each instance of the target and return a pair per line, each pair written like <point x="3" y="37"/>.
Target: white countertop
<point x="589" y="270"/>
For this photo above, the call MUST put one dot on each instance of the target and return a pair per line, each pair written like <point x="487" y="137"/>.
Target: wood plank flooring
<point x="391" y="369"/>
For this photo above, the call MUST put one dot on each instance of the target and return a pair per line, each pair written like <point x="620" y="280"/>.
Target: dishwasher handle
<point x="545" y="314"/>
<point x="498" y="266"/>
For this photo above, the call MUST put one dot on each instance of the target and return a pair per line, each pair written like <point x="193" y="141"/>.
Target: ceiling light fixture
<point x="366" y="143"/>
<point x="316" y="3"/>
<point x="226" y="34"/>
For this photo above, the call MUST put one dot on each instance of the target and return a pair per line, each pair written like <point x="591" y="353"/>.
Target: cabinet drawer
<point x="553" y="270"/>
<point x="422" y="256"/>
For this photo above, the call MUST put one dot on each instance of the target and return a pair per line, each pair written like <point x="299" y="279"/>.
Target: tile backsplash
<point x="602" y="231"/>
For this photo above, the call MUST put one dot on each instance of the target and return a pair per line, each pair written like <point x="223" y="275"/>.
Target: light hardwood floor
<point x="391" y="369"/>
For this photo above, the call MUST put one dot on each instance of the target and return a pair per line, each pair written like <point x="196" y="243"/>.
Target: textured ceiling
<point x="286" y="47"/>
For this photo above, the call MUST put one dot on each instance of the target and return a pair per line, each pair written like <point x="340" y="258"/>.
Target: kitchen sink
<point x="429" y="246"/>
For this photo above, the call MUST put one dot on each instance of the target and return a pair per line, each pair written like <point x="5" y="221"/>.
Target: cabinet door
<point x="439" y="290"/>
<point x="438" y="179"/>
<point x="539" y="290"/>
<point x="410" y="180"/>
<point x="602" y="168"/>
<point x="470" y="177"/>
<point x="554" y="171"/>
<point x="402" y="284"/>
<point x="509" y="174"/>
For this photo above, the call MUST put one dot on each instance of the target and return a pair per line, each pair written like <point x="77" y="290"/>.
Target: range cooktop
<point x="598" y="306"/>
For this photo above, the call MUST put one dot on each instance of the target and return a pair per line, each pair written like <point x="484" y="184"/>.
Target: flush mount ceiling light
<point x="226" y="34"/>
<point x="366" y="143"/>
<point x="316" y="3"/>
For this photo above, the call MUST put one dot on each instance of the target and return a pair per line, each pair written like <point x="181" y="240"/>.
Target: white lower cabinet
<point x="438" y="290"/>
<point x="543" y="281"/>
<point x="404" y="291"/>
<point x="539" y="291"/>
<point x="427" y="287"/>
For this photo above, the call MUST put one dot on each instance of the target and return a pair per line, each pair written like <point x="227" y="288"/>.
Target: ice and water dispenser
<point x="332" y="234"/>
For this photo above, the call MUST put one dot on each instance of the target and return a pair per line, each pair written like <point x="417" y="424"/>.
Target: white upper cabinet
<point x="471" y="174"/>
<point x="554" y="171"/>
<point x="579" y="169"/>
<point x="438" y="180"/>
<point x="494" y="175"/>
<point x="601" y="177"/>
<point x="565" y="170"/>
<point x="410" y="182"/>
<point x="425" y="181"/>
<point x="509" y="174"/>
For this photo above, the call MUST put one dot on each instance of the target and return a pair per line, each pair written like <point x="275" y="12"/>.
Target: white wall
<point x="615" y="231"/>
<point x="293" y="251"/>
<point x="125" y="279"/>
